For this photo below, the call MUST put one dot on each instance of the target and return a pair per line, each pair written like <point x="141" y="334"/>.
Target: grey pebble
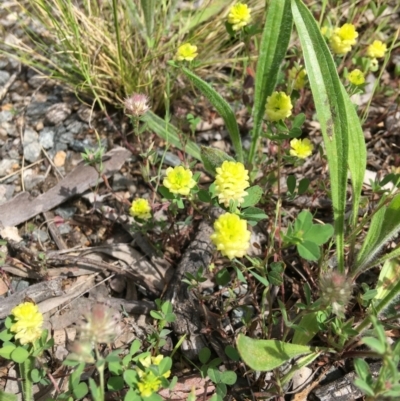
<point x="4" y="77"/>
<point x="170" y="159"/>
<point x="31" y="145"/>
<point x="121" y="182"/>
<point x="46" y="137"/>
<point x="10" y="128"/>
<point x="75" y="127"/>
<point x="64" y="228"/>
<point x="57" y="113"/>
<point x="6" y="166"/>
<point x="6" y="192"/>
<point x="33" y="181"/>
<point x="40" y="235"/>
<point x="37" y="109"/>
<point x="65" y="212"/>
<point x="6" y="116"/>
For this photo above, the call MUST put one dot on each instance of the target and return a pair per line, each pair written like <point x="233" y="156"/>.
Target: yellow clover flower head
<point x="141" y="209"/>
<point x="298" y="75"/>
<point x="279" y="106"/>
<point x="343" y="38"/>
<point x="186" y="52"/>
<point x="231" y="181"/>
<point x="231" y="236"/>
<point x="151" y="360"/>
<point x="301" y="148"/>
<point x="28" y="325"/>
<point x="356" y="77"/>
<point x="148" y="384"/>
<point x="376" y="49"/>
<point x="239" y="16"/>
<point x="179" y="180"/>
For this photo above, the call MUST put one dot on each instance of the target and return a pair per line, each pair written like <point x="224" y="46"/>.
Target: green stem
<point x="25" y="368"/>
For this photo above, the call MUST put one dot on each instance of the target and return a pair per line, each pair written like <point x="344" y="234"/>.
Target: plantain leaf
<point x="170" y="134"/>
<point x="385" y="225"/>
<point x="330" y="104"/>
<point x="223" y="109"/>
<point x="357" y="154"/>
<point x="265" y="355"/>
<point x="274" y="43"/>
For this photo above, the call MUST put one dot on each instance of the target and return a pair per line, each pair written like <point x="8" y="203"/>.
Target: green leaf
<point x="80" y="390"/>
<point x="19" y="355"/>
<point x="35" y="375"/>
<point x="291" y="183"/>
<point x="253" y="214"/>
<point x="204" y="196"/>
<point x="357" y="154"/>
<point x="131" y="377"/>
<point x="165" y="365"/>
<point x="213" y="158"/>
<point x="331" y="110"/>
<point x="115" y="383"/>
<point x="165" y="192"/>
<point x="303" y="185"/>
<point x="261" y="279"/>
<point x="116" y="367"/>
<point x="223" y="277"/>
<point x="232" y="353"/>
<point x="309" y="250"/>
<point x="204" y="355"/>
<point x="222" y="107"/>
<point x="374" y="344"/>
<point x="385" y="225"/>
<point x="171" y="135"/>
<point x="156" y="315"/>
<point x="214" y="374"/>
<point x="6" y="335"/>
<point x="131" y="395"/>
<point x="303" y="222"/>
<point x="254" y="194"/>
<point x="7" y="396"/>
<point x="228" y="377"/>
<point x="273" y="46"/>
<point x="319" y="234"/>
<point x="265" y="355"/>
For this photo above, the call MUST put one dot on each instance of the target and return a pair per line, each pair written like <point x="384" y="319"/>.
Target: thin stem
<point x="25" y="368"/>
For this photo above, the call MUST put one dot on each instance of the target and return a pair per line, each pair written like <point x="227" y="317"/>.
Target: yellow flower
<point x="231" y="236"/>
<point x="186" y="52"/>
<point x="343" y="38"/>
<point x="298" y="75"/>
<point x="152" y="360"/>
<point x="141" y="209"/>
<point x="230" y="182"/>
<point x="301" y="148"/>
<point x="279" y="106"/>
<point x="148" y="384"/>
<point x="239" y="16"/>
<point x="376" y="50"/>
<point x="356" y="77"/>
<point x="179" y="180"/>
<point x="29" y="321"/>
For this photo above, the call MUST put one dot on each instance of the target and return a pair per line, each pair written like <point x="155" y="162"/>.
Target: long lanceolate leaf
<point x="384" y="225"/>
<point x="331" y="111"/>
<point x="170" y="134"/>
<point x="223" y="109"/>
<point x="273" y="47"/>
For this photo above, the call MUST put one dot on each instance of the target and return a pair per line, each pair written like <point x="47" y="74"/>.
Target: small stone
<point x="31" y="180"/>
<point x="6" y="116"/>
<point x="3" y="62"/>
<point x="10" y="129"/>
<point x="85" y="113"/>
<point x="31" y="145"/>
<point x="40" y="235"/>
<point x="57" y="113"/>
<point x="46" y="137"/>
<point x="37" y="109"/>
<point x="37" y="80"/>
<point x="75" y="127"/>
<point x="39" y="126"/>
<point x="59" y="158"/>
<point x="121" y="182"/>
<point x="6" y="166"/>
<point x="6" y="192"/>
<point x="64" y="228"/>
<point x="4" y="77"/>
<point x="65" y="212"/>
